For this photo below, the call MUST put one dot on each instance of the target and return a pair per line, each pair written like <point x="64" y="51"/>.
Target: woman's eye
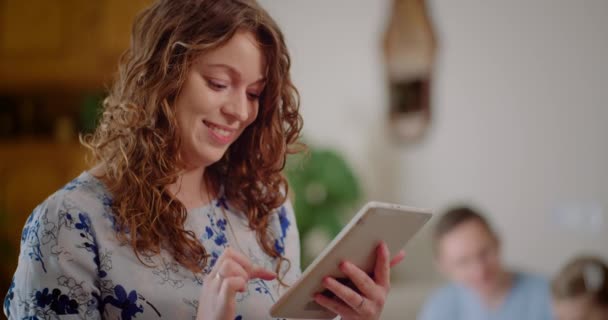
<point x="216" y="85"/>
<point x="253" y="96"/>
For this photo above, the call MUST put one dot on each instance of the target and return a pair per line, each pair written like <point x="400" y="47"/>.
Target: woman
<point x="185" y="214"/>
<point x="580" y="290"/>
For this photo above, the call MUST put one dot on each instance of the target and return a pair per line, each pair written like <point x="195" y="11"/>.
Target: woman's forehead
<point x="241" y="55"/>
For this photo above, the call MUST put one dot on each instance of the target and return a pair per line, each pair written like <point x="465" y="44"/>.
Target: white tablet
<point x="357" y="243"/>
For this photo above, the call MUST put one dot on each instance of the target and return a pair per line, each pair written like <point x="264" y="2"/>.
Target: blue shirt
<point x="529" y="298"/>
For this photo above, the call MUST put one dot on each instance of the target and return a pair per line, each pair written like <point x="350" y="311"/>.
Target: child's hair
<point x="583" y="276"/>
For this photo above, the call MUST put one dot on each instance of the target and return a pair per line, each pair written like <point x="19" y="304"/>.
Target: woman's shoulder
<point x="84" y="196"/>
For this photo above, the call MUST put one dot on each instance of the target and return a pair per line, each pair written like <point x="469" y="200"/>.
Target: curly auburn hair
<point x="137" y="139"/>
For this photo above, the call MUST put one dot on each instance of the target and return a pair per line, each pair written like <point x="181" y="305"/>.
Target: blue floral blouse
<point x="71" y="265"/>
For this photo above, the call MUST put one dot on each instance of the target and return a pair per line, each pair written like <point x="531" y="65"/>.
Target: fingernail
<point x="265" y="274"/>
<point x="348" y="265"/>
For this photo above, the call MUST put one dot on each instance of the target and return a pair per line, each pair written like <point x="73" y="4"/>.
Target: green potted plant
<point x="325" y="189"/>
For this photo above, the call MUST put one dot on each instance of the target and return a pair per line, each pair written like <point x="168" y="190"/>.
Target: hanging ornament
<point x="409" y="52"/>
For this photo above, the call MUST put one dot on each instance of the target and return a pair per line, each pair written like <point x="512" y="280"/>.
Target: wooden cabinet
<point x="29" y="173"/>
<point x="73" y="44"/>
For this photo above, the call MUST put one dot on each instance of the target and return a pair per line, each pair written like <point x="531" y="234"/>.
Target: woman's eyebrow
<point x="233" y="71"/>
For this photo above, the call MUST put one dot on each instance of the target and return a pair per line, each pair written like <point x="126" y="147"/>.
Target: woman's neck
<point x="190" y="188"/>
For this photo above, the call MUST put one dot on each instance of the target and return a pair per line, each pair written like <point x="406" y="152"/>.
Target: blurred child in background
<point x="580" y="290"/>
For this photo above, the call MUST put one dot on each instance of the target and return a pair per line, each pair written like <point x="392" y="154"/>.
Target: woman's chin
<point x="204" y="155"/>
<point x="209" y="158"/>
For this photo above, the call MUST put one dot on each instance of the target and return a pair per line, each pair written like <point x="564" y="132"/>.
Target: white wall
<point x="520" y="123"/>
<point x="521" y="127"/>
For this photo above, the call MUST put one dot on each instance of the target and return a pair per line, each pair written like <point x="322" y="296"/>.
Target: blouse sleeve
<point x="289" y="243"/>
<point x="58" y="265"/>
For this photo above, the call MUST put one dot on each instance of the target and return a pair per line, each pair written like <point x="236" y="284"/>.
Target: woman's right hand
<point x="230" y="275"/>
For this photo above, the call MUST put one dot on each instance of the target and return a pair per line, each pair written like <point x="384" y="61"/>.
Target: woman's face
<point x="219" y="99"/>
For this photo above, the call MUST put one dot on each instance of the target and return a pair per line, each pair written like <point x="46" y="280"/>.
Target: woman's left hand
<point x="369" y="302"/>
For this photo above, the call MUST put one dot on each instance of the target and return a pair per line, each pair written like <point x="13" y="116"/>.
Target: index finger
<point x="238" y="257"/>
<point x="382" y="274"/>
<point x="252" y="270"/>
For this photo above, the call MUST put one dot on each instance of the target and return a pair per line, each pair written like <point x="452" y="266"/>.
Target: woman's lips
<point x="219" y="133"/>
